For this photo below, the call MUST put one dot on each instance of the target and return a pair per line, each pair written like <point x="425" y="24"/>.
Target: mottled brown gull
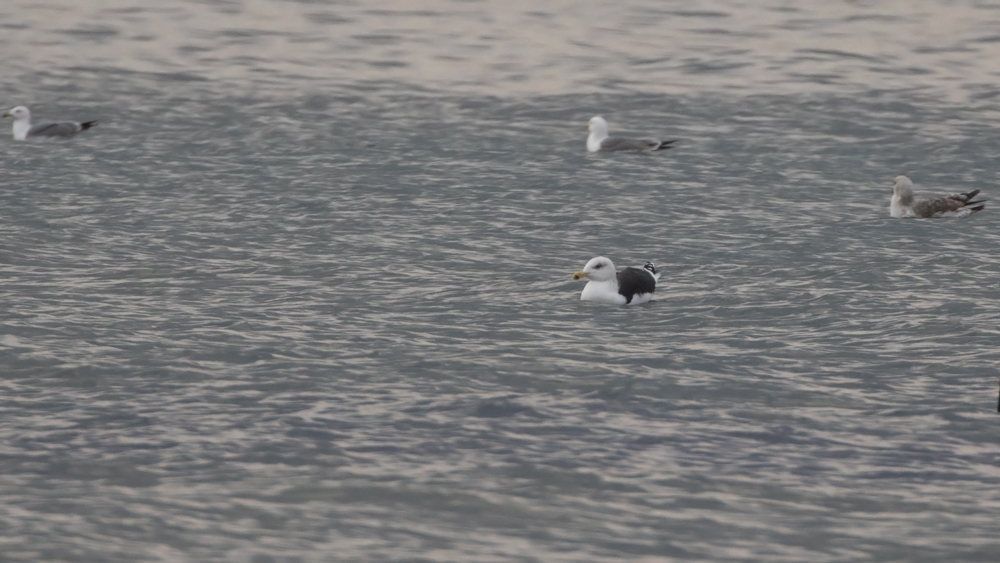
<point x="904" y="204"/>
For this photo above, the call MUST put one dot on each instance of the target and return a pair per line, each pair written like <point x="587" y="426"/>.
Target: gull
<point x="629" y="286"/>
<point x="903" y="203"/>
<point x="23" y="129"/>
<point x="598" y="140"/>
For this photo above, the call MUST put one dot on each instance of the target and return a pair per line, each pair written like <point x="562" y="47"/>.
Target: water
<point x="305" y="293"/>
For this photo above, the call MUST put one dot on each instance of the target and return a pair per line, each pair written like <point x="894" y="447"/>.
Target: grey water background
<point x="304" y="294"/>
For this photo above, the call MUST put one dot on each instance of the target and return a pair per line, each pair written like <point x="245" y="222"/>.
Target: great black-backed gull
<point x="598" y="141"/>
<point x="630" y="286"/>
<point x="23" y="129"/>
<point x="905" y="205"/>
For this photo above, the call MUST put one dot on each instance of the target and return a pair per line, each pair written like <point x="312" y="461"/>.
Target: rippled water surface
<point x="304" y="295"/>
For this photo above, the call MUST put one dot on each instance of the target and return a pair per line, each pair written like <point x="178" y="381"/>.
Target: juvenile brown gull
<point x="903" y="203"/>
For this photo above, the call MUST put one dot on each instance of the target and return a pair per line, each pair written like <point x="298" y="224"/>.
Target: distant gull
<point x="598" y="141"/>
<point x="23" y="129"/>
<point x="629" y="286"/>
<point x="905" y="205"/>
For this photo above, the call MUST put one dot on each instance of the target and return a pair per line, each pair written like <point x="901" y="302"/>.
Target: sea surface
<point x="304" y="294"/>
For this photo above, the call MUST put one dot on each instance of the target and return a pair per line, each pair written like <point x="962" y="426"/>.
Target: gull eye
<point x="599" y="266"/>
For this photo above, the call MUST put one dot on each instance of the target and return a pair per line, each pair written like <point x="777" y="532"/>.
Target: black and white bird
<point x="599" y="141"/>
<point x="23" y="129"/>
<point x="631" y="286"/>
<point x="904" y="204"/>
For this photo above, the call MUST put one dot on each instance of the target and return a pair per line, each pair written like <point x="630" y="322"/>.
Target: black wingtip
<point x="87" y="125"/>
<point x="664" y="145"/>
<point x="979" y="208"/>
<point x="649" y="266"/>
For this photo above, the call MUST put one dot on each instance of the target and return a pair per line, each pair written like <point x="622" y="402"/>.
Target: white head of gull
<point x="22" y="121"/>
<point x="598" y="132"/>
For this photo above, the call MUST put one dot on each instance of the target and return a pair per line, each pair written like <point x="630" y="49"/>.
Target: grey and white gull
<point x="599" y="141"/>
<point x="24" y="130"/>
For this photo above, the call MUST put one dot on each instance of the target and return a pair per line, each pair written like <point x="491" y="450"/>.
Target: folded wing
<point x="955" y="204"/>
<point x="634" y="282"/>
<point x="59" y="129"/>
<point x="623" y="144"/>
